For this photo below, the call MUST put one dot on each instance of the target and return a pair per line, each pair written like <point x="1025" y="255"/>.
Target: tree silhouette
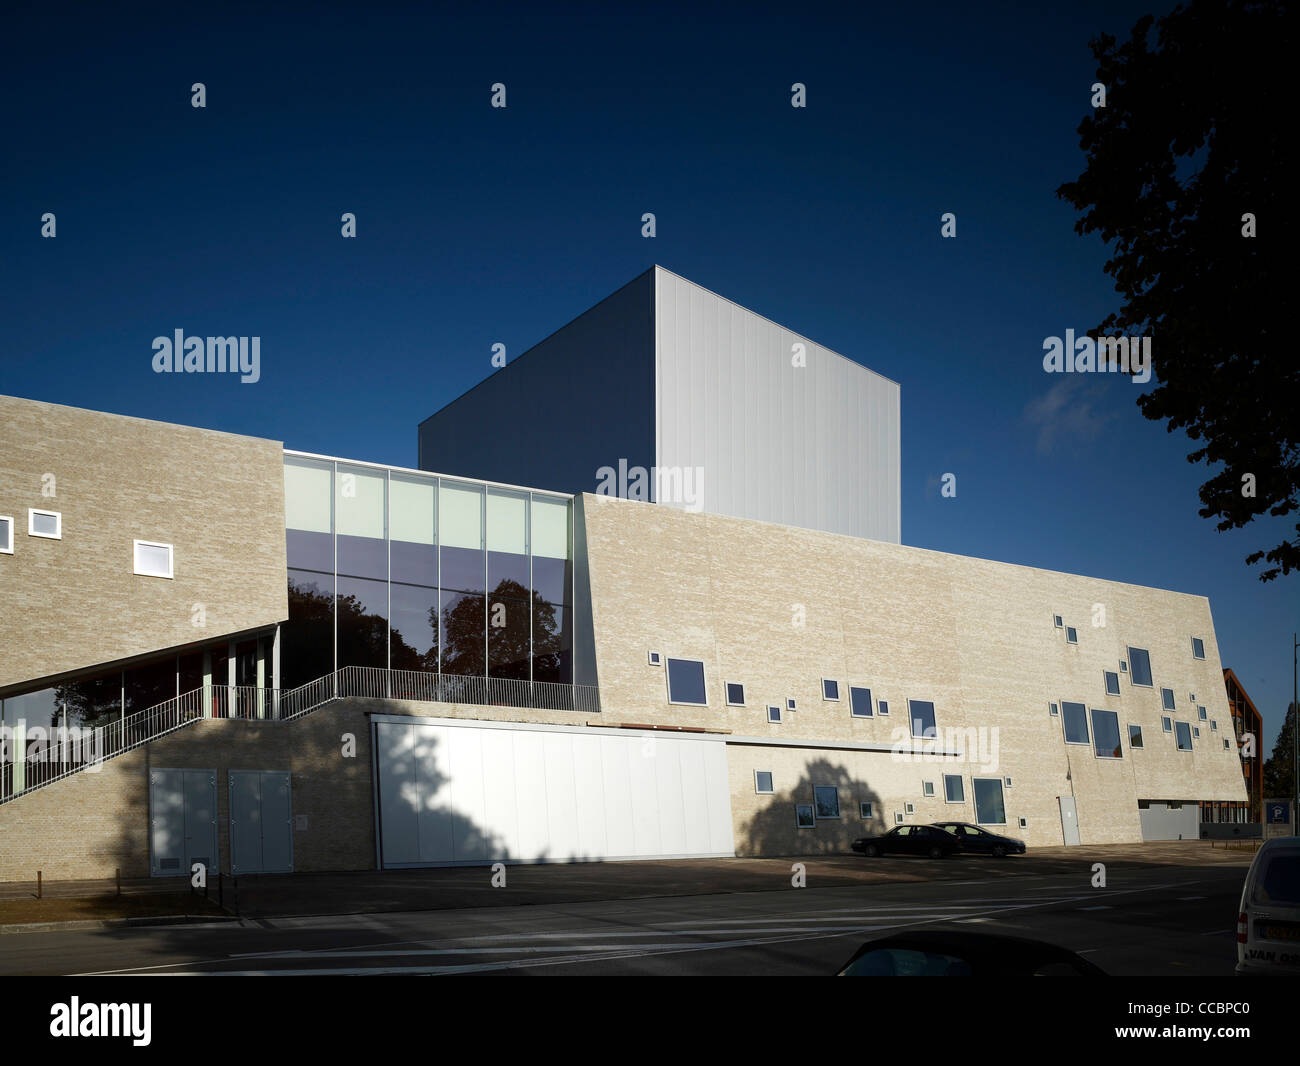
<point x="1184" y="167"/>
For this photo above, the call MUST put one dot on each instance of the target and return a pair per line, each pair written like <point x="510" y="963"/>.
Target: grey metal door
<point x="1069" y="820"/>
<point x="261" y="817"/>
<point x="182" y="821"/>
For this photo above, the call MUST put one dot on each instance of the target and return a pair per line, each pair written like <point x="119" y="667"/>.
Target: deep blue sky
<point x="478" y="225"/>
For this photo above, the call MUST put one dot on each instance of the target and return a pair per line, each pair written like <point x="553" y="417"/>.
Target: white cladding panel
<point x="815" y="446"/>
<point x="470" y="792"/>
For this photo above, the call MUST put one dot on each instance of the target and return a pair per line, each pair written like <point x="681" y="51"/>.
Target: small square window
<point x="654" y="658"/>
<point x="882" y="708"/>
<point x="927" y="788"/>
<point x="830" y="690"/>
<point x="773" y="713"/>
<point x="763" y="782"/>
<point x="1198" y="648"/>
<point x="898" y="817"/>
<point x="47" y="524"/>
<point x="153" y="559"/>
<point x="866" y="810"/>
<point x="6" y="534"/>
<point x="790" y="704"/>
<point x="735" y="694"/>
<point x="909" y="808"/>
<point x="1024" y="824"/>
<point x="1166" y="723"/>
<point x="1112" y="682"/>
<point x="1200" y="713"/>
<point x="1054" y="710"/>
<point x="1071" y="635"/>
<point x="803" y="816"/>
<point x="1056" y="621"/>
<point x="1135" y="736"/>
<point x="859" y="702"/>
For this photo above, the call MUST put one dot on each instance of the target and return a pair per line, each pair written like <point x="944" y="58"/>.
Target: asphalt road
<point x="1156" y="921"/>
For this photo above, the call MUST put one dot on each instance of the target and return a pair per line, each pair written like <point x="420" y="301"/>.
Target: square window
<point x="1166" y="723"/>
<point x="153" y="559"/>
<point x="763" y="782"/>
<point x="1198" y="648"/>
<point x="735" y="694"/>
<point x="790" y="704"/>
<point x="1140" y="661"/>
<point x="1074" y="719"/>
<point x="686" y="682"/>
<point x="921" y="714"/>
<point x="1056" y="621"/>
<point x="826" y="801"/>
<point x="1071" y="635"/>
<point x="1135" y="736"/>
<point x="1200" y="713"/>
<point x="859" y="702"/>
<point x="6" y="534"/>
<point x="47" y="524"/>
<point x="882" y="707"/>
<point x="866" y="810"/>
<point x="773" y="713"/>
<point x="1053" y="709"/>
<point x="1112" y="682"/>
<point x="803" y="816"/>
<point x="927" y="788"/>
<point x="830" y="689"/>
<point x="908" y="808"/>
<point x="1167" y="698"/>
<point x="653" y="658"/>
<point x="1183" y="733"/>
<point x="954" y="791"/>
<point x="1105" y="734"/>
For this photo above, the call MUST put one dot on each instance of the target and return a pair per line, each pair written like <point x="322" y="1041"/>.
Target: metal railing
<point x="57" y="752"/>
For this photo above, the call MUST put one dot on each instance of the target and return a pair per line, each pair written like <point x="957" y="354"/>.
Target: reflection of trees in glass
<point x="307" y="639"/>
<point x="463" y="625"/>
<point x="93" y="702"/>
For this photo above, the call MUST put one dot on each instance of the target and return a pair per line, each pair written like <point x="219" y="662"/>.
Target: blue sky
<point x="478" y="225"/>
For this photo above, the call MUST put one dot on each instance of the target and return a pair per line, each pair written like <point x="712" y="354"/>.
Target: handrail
<point x="63" y="751"/>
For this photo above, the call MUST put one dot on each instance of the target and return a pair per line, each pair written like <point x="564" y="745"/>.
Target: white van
<point x="1268" y="924"/>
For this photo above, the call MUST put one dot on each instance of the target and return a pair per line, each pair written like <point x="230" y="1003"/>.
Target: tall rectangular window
<point x="1198" y="648"/>
<point x="1074" y="719"/>
<point x="954" y="791"/>
<point x="507" y="544"/>
<point x="360" y="510"/>
<point x="552" y="550"/>
<point x="859" y="702"/>
<point x="1105" y="734"/>
<point x="6" y="534"/>
<point x="1167" y="698"/>
<point x="1139" y="667"/>
<point x="308" y="514"/>
<point x="921" y="715"/>
<point x="686" y="682"/>
<point x="826" y="799"/>
<point x="989" y="806"/>
<point x="412" y="530"/>
<point x="1183" y="734"/>
<point x="460" y="537"/>
<point x="1135" y="736"/>
<point x="1112" y="683"/>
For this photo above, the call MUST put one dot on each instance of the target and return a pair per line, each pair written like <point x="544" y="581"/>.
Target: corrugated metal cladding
<point x="816" y="446"/>
<point x="581" y="399"/>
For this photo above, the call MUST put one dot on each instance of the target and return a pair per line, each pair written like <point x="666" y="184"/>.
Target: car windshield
<point x="1278" y="880"/>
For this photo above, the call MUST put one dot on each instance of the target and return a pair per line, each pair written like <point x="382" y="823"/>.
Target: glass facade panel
<point x="149" y="684"/>
<point x="552" y="643"/>
<point x="309" y="535"/>
<point x="464" y="632"/>
<point x="507" y="543"/>
<point x="360" y="509"/>
<point x="412" y="529"/>
<point x="552" y="550"/>
<point x="307" y="638"/>
<point x="413" y="628"/>
<point x="460" y="534"/>
<point x="362" y="622"/>
<point x="508" y="637"/>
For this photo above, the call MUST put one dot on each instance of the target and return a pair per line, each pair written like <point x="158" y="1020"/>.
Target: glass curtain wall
<point x="416" y="572"/>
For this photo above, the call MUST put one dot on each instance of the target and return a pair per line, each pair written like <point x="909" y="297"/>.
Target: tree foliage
<point x="1189" y="142"/>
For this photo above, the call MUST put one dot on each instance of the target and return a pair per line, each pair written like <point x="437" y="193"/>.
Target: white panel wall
<point x="816" y="446"/>
<point x="477" y="792"/>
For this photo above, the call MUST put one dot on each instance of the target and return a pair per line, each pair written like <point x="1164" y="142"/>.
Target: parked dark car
<point x="947" y="953"/>
<point x="972" y="838"/>
<point x="909" y="840"/>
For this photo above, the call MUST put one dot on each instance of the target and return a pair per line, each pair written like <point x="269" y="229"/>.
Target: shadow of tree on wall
<point x="772" y="831"/>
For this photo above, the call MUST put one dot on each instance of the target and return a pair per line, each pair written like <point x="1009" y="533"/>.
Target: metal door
<point x="261" y="822"/>
<point x="182" y="821"/>
<point x="1069" y="820"/>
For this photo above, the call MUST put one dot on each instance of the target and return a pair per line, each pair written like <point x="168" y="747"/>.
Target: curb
<point x="114" y="923"/>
